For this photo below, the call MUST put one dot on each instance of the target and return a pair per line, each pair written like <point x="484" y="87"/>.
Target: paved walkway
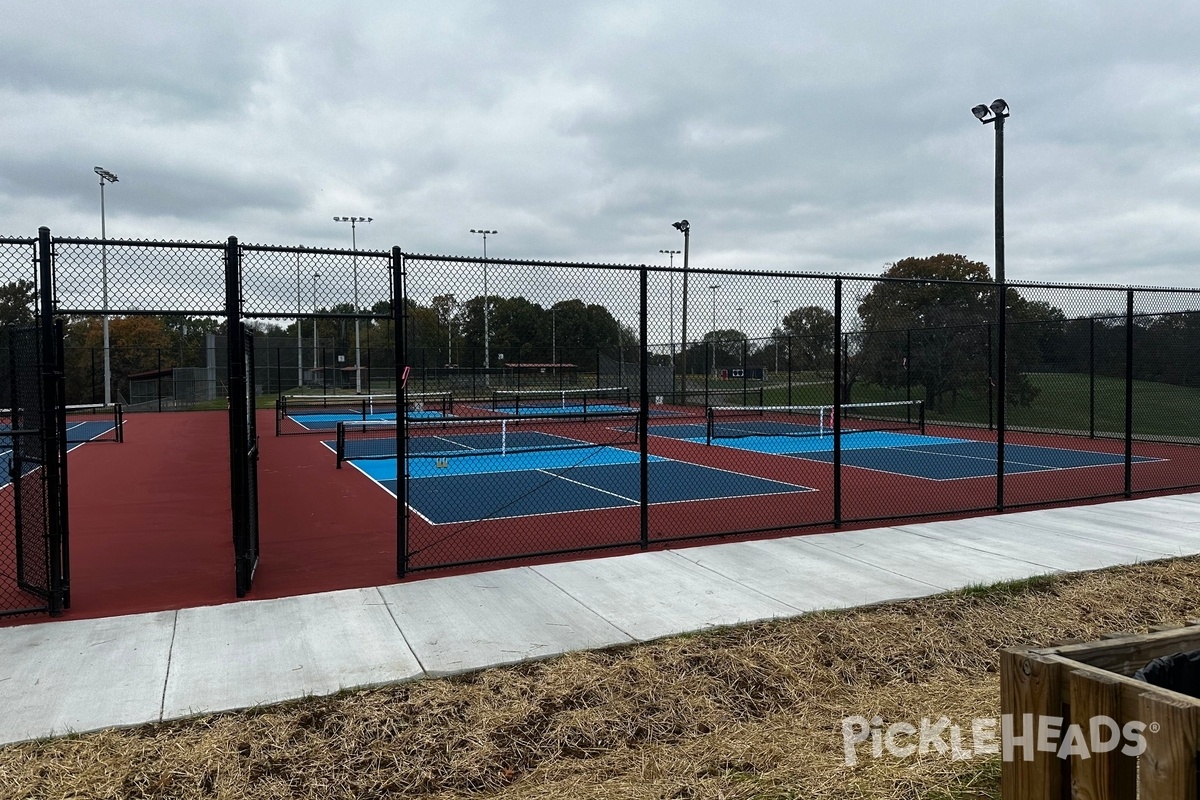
<point x="86" y="675"/>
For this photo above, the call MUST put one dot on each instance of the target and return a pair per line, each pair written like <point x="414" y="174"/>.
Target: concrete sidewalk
<point x="85" y="675"/>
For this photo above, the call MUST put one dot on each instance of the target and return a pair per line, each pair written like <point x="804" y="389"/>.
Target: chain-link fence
<point x="804" y="401"/>
<point x="523" y="409"/>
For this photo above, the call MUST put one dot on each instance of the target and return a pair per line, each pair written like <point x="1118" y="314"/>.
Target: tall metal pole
<point x="357" y="322"/>
<point x="995" y="114"/>
<point x="105" y="175"/>
<point x="487" y="353"/>
<point x="671" y="312"/>
<point x="684" y="227"/>
<point x="315" y="276"/>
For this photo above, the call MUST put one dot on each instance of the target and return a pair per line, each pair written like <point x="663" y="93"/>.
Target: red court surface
<point x="151" y="527"/>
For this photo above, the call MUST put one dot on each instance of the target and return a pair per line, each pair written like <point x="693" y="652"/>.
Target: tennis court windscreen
<point x="739" y="422"/>
<point x="485" y="436"/>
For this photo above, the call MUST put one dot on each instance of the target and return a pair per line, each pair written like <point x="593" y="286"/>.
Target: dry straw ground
<point x="750" y="712"/>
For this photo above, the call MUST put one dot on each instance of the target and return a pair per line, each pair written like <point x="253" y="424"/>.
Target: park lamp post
<point x="995" y="114"/>
<point x="486" y="332"/>
<point x="105" y="175"/>
<point x="671" y="309"/>
<point x="684" y="227"/>
<point x="354" y="259"/>
<point x="315" y="276"/>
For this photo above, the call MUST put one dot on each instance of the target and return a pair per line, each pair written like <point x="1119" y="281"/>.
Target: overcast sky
<point x="793" y="136"/>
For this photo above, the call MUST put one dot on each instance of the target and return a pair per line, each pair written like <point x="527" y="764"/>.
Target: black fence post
<point x="837" y="403"/>
<point x="1001" y="388"/>
<point x="400" y="313"/>
<point x="789" y="366"/>
<point x="1129" y="393"/>
<point x="54" y="466"/>
<point x="708" y="357"/>
<point x="644" y="416"/>
<point x="1091" y="377"/>
<point x="991" y="380"/>
<point x="93" y="380"/>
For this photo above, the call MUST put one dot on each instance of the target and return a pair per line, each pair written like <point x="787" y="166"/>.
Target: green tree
<point x="18" y="301"/>
<point x="812" y="335"/>
<point x="936" y="329"/>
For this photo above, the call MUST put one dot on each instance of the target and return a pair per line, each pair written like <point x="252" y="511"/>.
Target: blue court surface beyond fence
<point x="913" y="455"/>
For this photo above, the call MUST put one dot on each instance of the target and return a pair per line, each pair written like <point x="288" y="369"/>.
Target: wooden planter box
<point x="1082" y="682"/>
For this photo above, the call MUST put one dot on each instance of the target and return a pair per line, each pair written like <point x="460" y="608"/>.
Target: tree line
<point x="925" y="332"/>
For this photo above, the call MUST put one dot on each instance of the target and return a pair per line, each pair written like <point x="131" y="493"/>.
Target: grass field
<point x="1062" y="403"/>
<point x="753" y="712"/>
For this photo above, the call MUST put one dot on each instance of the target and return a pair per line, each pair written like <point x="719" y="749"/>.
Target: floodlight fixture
<point x="980" y="111"/>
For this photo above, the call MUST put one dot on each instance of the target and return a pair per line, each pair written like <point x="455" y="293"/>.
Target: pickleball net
<point x="531" y="401"/>
<point x="307" y="413"/>
<point x="484" y="436"/>
<point x="739" y="422"/>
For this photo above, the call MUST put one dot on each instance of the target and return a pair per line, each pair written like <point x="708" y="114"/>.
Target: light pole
<point x="741" y="321"/>
<point x="713" y="330"/>
<point x="989" y="115"/>
<point x="105" y="175"/>
<point x="354" y="259"/>
<point x="775" y="334"/>
<point x="486" y="332"/>
<point x="671" y="309"/>
<point x="315" y="276"/>
<point x="684" y="227"/>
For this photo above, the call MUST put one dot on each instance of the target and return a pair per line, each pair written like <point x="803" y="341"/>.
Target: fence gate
<point x="34" y="564"/>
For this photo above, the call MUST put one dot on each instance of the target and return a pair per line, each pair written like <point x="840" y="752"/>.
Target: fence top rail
<point x="141" y="312"/>
<point x="323" y="251"/>
<point x="163" y="243"/>
<point x="16" y="240"/>
<point x="823" y="276"/>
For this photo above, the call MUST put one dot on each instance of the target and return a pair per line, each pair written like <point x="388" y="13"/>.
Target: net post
<point x="708" y="425"/>
<point x="340" y="448"/>
<point x="921" y="417"/>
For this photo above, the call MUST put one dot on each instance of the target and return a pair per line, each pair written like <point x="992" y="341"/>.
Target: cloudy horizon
<point x="834" y="139"/>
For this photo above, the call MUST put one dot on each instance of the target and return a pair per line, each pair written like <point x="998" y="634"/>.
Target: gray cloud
<point x="793" y="137"/>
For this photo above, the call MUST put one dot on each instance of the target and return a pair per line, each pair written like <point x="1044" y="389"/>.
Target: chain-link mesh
<point x="743" y="431"/>
<point x="25" y="579"/>
<point x="521" y="450"/>
<point x="128" y="277"/>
